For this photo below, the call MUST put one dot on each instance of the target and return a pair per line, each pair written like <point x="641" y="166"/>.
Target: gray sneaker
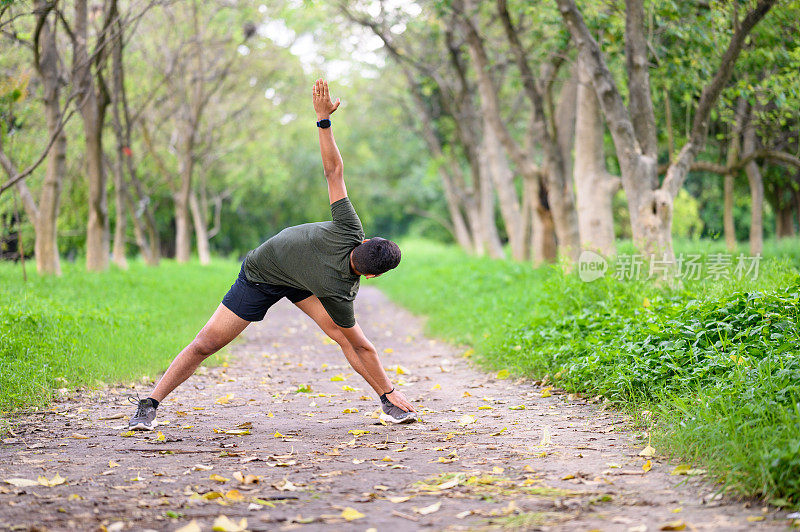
<point x="392" y="413"/>
<point x="145" y="416"/>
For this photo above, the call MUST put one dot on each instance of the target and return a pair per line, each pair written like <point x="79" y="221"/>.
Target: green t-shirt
<point x="314" y="257"/>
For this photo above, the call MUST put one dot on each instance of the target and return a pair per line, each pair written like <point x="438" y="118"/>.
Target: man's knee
<point x="336" y="335"/>
<point x="207" y="344"/>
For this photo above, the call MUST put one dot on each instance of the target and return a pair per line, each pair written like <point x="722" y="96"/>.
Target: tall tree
<point x="633" y="127"/>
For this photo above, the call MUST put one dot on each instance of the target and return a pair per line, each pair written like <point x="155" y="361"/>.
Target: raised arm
<point x="331" y="158"/>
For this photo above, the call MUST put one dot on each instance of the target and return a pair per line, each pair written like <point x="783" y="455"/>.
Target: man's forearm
<point x="331" y="158"/>
<point x="372" y="365"/>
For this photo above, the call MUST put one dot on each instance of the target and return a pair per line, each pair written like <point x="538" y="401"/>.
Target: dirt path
<point x="490" y="452"/>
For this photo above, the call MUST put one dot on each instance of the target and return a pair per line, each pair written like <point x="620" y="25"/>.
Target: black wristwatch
<point x="325" y="123"/>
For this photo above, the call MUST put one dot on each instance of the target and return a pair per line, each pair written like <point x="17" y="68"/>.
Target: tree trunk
<point x="183" y="238"/>
<point x="46" y="221"/>
<point x="503" y="179"/>
<point x="200" y="222"/>
<point x="118" y="253"/>
<point x="594" y="186"/>
<point x="542" y="245"/>
<point x="784" y="222"/>
<point x="756" y="193"/>
<point x="92" y="106"/>
<point x="486" y="223"/>
<point x="730" y="230"/>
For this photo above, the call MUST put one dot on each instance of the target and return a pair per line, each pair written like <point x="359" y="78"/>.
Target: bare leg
<point x="220" y="330"/>
<point x="315" y="310"/>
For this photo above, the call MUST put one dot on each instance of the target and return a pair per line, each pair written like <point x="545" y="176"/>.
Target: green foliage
<point x="84" y="329"/>
<point x="717" y="360"/>
<point x="686" y="220"/>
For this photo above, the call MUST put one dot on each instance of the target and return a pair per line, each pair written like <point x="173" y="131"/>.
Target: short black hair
<point x="376" y="256"/>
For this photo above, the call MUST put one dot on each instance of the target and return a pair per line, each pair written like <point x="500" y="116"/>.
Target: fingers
<point x="325" y="90"/>
<point x="336" y="105"/>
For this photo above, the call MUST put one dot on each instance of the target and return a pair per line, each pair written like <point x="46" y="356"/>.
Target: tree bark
<point x="183" y="238"/>
<point x="93" y="100"/>
<point x="200" y="221"/>
<point x="727" y="216"/>
<point x="594" y="186"/>
<point x="756" y="192"/>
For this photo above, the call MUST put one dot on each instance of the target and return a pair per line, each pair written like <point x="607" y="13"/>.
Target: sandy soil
<point x="241" y="441"/>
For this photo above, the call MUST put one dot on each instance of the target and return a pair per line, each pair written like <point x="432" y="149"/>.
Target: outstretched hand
<point x="398" y="399"/>
<point x="323" y="105"/>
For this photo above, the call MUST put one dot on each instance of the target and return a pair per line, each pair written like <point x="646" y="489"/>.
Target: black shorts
<point x="250" y="301"/>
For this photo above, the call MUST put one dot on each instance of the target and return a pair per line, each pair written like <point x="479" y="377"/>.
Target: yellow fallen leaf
<point x="498" y="470"/>
<point x="647" y="466"/>
<point x="485" y="407"/>
<point x="78" y="436"/>
<point x="466" y="394"/>
<point x="351" y="514"/>
<point x="57" y="480"/>
<point x="677" y="510"/>
<point x="387" y="459"/>
<point x="21" y="482"/>
<point x="357" y="432"/>
<point x="201" y="467"/>
<point x="754" y="518"/>
<point x="350" y="411"/>
<point x="211" y="495"/>
<point x="517" y="407"/>
<point x="191" y="527"/>
<point x="74" y="497"/>
<point x="468" y="353"/>
<point x="499" y="432"/>
<point x="398" y="500"/>
<point x="400" y="370"/>
<point x="673" y="525"/>
<point x="467" y="419"/>
<point x="279" y="435"/>
<point x="234" y="495"/>
<point x="436" y="387"/>
<point x="503" y="374"/>
<point x="347" y="388"/>
<point x="246" y="479"/>
<point x="546" y="392"/>
<point x="223" y="524"/>
<point x="567" y="477"/>
<point x="161" y="436"/>
<point x="388" y="350"/>
<point x="225" y="399"/>
<point x="545" y="437"/>
<point x="646" y="303"/>
<point x="429" y="509"/>
<point x="270" y="414"/>
<point x="218" y="478"/>
<point x="338" y="378"/>
<point x="285" y="485"/>
<point x="648" y="452"/>
<point x="128" y="434"/>
<point x="529" y="469"/>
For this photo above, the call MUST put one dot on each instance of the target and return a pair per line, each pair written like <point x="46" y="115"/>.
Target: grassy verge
<point x="717" y="360"/>
<point x="88" y="328"/>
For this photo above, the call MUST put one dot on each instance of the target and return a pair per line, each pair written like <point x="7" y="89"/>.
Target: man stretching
<point x="317" y="266"/>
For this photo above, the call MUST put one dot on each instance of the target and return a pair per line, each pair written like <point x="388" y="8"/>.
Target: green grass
<point x="84" y="329"/>
<point x="717" y="361"/>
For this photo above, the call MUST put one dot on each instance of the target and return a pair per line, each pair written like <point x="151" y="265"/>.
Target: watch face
<point x="325" y="123"/>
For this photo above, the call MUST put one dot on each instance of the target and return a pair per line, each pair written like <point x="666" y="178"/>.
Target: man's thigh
<point x="222" y="327"/>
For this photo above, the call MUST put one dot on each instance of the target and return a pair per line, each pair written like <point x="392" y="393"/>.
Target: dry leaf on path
<point x="191" y="527"/>
<point x="224" y="524"/>
<point x="503" y="374"/>
<point x="57" y="480"/>
<point x="398" y="500"/>
<point x="20" y="482"/>
<point x="201" y="467"/>
<point x="467" y="419"/>
<point x="673" y="525"/>
<point x="225" y="399"/>
<point x="78" y="436"/>
<point x="351" y="514"/>
<point x="218" y="478"/>
<point x="545" y="437"/>
<point x="429" y="509"/>
<point x="647" y="466"/>
<point x="285" y="485"/>
<point x="648" y="452"/>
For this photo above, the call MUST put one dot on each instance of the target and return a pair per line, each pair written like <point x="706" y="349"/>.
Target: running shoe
<point x="392" y="413"/>
<point x="145" y="416"/>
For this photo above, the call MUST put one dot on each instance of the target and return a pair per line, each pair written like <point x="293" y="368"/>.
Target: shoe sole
<point x="141" y="426"/>
<point x="408" y="419"/>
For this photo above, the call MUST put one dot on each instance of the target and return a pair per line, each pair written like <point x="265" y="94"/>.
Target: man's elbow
<point x="337" y="172"/>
